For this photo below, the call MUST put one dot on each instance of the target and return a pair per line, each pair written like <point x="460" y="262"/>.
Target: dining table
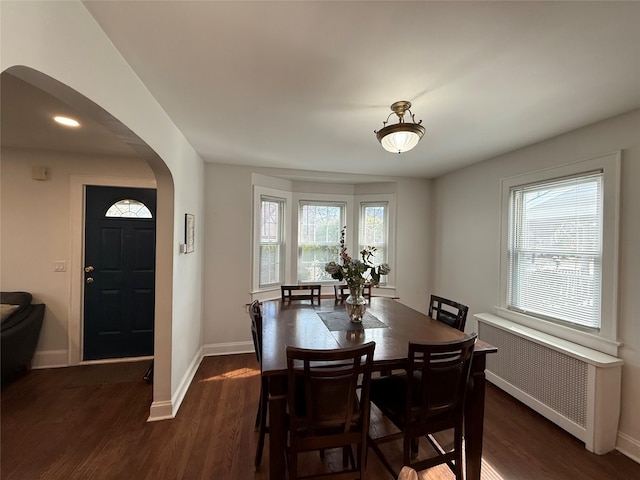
<point x="387" y="322"/>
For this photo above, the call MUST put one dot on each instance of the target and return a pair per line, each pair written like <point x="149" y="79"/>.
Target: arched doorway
<point x="87" y="109"/>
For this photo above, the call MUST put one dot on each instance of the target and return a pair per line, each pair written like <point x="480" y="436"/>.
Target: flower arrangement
<point x="353" y="270"/>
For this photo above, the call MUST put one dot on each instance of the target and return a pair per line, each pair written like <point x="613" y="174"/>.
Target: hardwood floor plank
<point x="56" y="425"/>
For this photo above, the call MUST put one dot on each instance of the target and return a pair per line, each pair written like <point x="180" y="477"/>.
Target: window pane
<point x="555" y="250"/>
<point x="318" y="239"/>
<point x="269" y="264"/>
<point x="374" y="230"/>
<point x="270" y="224"/>
<point x="128" y="208"/>
<point x="270" y="241"/>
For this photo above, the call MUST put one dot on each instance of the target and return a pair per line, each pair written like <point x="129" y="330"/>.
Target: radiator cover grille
<point x="553" y="378"/>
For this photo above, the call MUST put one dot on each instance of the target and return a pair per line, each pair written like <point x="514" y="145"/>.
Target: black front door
<point x="119" y="278"/>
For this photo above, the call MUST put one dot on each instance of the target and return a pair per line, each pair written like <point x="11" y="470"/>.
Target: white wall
<point x="37" y="231"/>
<point x="466" y="207"/>
<point x="63" y="41"/>
<point x="228" y="227"/>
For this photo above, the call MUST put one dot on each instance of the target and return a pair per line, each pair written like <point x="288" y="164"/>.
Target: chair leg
<point x="458" y="455"/>
<point x="259" y="412"/>
<point x="415" y="446"/>
<point x="262" y="428"/>
<point x="293" y="465"/>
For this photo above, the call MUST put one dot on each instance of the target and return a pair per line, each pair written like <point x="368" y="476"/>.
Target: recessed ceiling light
<point x="69" y="122"/>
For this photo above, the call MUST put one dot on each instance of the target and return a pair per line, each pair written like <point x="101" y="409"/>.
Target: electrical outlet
<point x="59" y="266"/>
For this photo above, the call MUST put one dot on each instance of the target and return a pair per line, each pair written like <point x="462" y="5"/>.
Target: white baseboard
<point x="160" y="411"/>
<point x="182" y="389"/>
<point x="50" y="359"/>
<point x="164" y="410"/>
<point x="168" y="409"/>
<point x="228" y="348"/>
<point x="628" y="446"/>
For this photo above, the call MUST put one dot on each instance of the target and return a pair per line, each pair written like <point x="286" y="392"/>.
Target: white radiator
<point x="573" y="386"/>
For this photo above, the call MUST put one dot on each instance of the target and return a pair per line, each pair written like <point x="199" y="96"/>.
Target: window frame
<point x="604" y="340"/>
<point x="335" y="202"/>
<point x="361" y="231"/>
<point x="280" y="243"/>
<point x="260" y="192"/>
<point x="351" y="194"/>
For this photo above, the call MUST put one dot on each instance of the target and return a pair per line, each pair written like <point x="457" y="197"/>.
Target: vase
<point x="356" y="304"/>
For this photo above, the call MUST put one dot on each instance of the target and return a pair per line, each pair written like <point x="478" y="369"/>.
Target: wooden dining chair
<point x="290" y="293"/>
<point x="341" y="292"/>
<point x="428" y="398"/>
<point x="261" y="416"/>
<point x="408" y="473"/>
<point x="328" y="402"/>
<point x="449" y="312"/>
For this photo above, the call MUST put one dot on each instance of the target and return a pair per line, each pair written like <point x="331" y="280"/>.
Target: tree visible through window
<point x="373" y="230"/>
<point x="318" y="239"/>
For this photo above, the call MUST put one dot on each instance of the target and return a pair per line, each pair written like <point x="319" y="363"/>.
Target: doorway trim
<point x="76" y="209"/>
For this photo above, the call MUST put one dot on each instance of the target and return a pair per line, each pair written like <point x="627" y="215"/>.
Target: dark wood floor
<point x="90" y="423"/>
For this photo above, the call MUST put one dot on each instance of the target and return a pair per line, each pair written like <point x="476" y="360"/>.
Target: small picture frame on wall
<point x="189" y="232"/>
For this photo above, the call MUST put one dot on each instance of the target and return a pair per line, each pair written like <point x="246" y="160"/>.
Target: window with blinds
<point x="271" y="240"/>
<point x="555" y="250"/>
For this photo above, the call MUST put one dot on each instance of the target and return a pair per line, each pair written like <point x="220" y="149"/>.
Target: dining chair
<point x="341" y="292"/>
<point x="261" y="416"/>
<point x="328" y="402"/>
<point x="290" y="293"/>
<point x="428" y="398"/>
<point x="449" y="312"/>
<point x="408" y="473"/>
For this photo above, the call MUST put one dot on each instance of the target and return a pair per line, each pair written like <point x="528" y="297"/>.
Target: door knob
<point x="90" y="280"/>
<point x="89" y="269"/>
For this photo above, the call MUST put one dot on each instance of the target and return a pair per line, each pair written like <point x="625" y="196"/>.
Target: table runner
<point x="339" y="320"/>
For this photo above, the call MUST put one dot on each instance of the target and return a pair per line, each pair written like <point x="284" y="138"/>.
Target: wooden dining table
<point x="387" y="322"/>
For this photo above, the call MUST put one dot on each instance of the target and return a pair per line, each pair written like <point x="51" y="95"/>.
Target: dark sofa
<point x="19" y="332"/>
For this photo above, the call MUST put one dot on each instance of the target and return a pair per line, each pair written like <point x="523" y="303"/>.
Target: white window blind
<point x="555" y="250"/>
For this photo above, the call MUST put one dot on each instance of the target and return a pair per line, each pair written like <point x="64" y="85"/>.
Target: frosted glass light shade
<point x="400" y="137"/>
<point x="399" y="142"/>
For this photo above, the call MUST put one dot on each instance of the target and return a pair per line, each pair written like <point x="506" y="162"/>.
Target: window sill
<point x="589" y="340"/>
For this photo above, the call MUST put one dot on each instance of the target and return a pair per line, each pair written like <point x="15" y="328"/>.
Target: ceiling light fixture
<point x="402" y="136"/>
<point x="69" y="122"/>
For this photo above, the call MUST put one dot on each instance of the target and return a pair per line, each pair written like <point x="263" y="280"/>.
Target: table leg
<point x="277" y="426"/>
<point x="474" y="418"/>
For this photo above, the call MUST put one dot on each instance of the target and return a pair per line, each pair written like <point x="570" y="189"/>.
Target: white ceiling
<point x="304" y="84"/>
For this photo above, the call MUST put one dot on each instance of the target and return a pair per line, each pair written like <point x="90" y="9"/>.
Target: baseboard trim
<point x="182" y="389"/>
<point x="160" y="411"/>
<point x="168" y="409"/>
<point x="628" y="446"/>
<point x="229" y="348"/>
<point x="50" y="359"/>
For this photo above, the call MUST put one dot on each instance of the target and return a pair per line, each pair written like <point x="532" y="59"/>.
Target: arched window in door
<point x="128" y="208"/>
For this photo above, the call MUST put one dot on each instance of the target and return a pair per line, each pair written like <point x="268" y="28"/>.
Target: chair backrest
<point x="300" y="292"/>
<point x="341" y="292"/>
<point x="255" y="313"/>
<point x="322" y="388"/>
<point x="440" y="373"/>
<point x="447" y="311"/>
